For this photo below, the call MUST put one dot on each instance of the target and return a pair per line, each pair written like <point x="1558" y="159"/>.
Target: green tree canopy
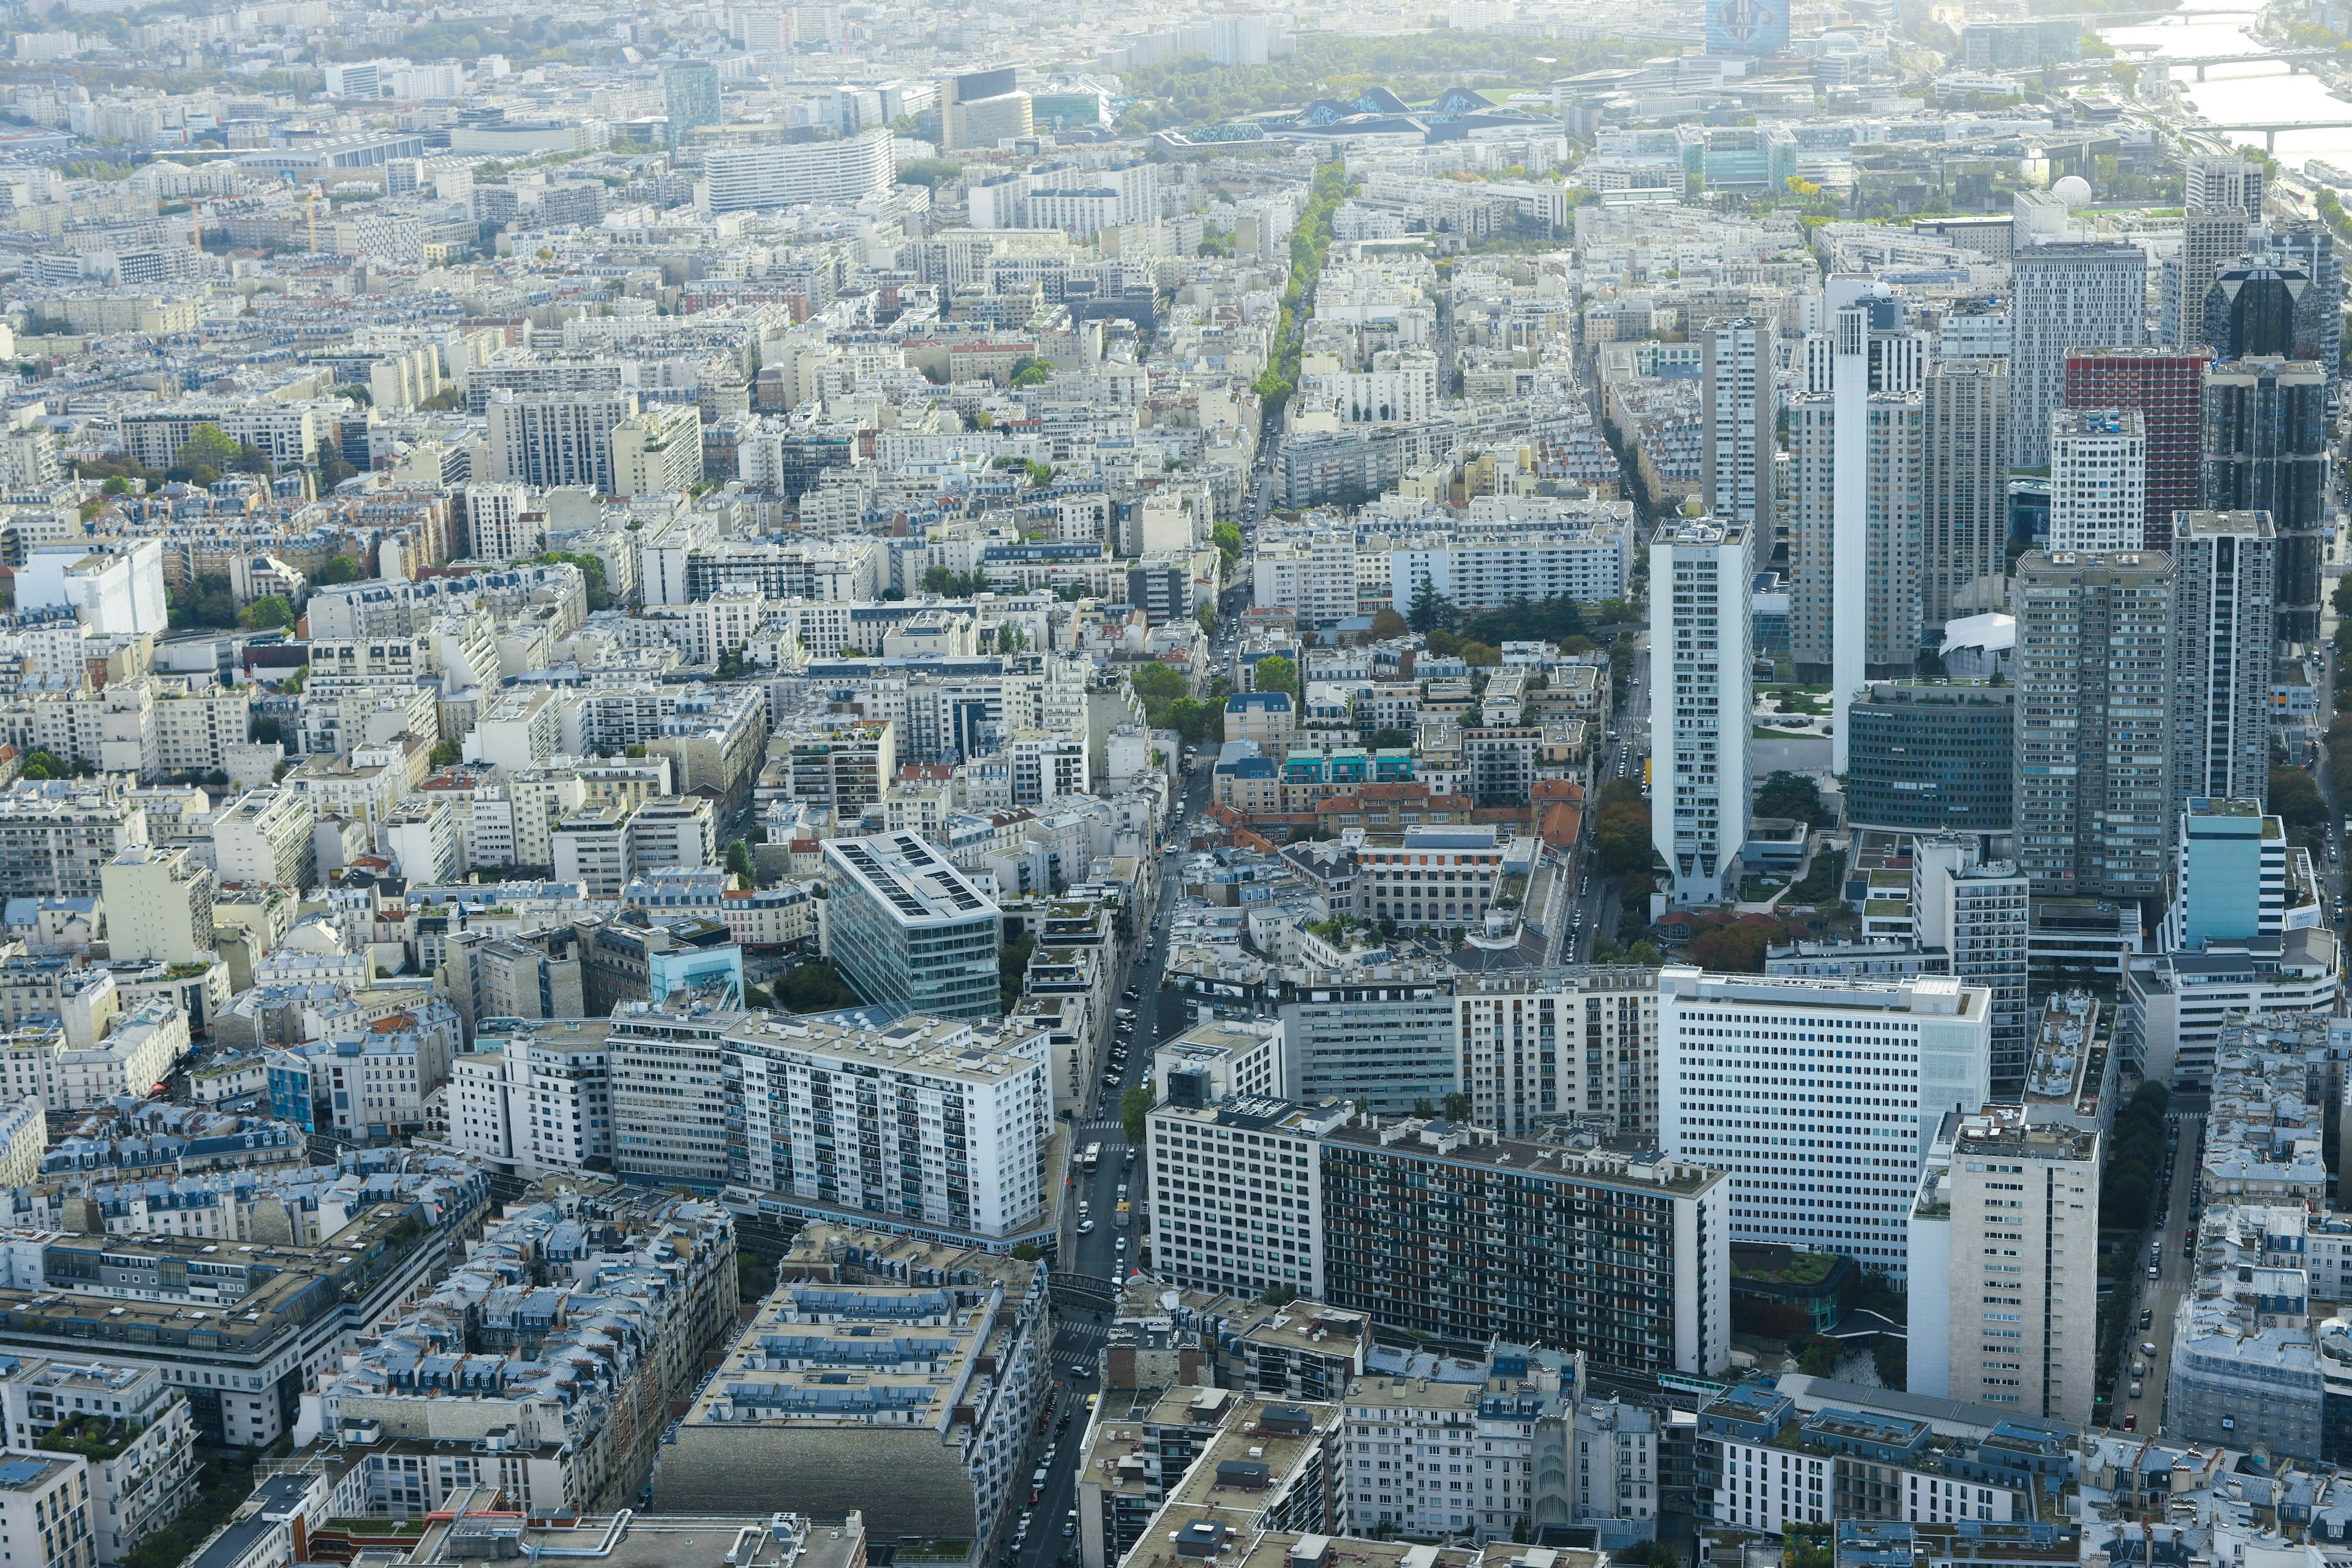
<point x="269" y="612"/>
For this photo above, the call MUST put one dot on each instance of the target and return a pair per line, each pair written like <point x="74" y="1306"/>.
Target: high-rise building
<point x="2211" y="239"/>
<point x="1203" y="1158"/>
<point x="839" y="173"/>
<point x="2225" y="571"/>
<point x="1699" y="637"/>
<point x="909" y="931"/>
<point x="1820" y="1098"/>
<point x="2098" y="477"/>
<point x="1931" y="756"/>
<point x="2070" y="296"/>
<point x="2319" y="314"/>
<point x="159" y="905"/>
<point x="2167" y="386"/>
<point x="56" y="837"/>
<point x="2218" y="179"/>
<point x="2255" y="307"/>
<point x="2265" y="449"/>
<point x="690" y="97"/>
<point x="561" y="441"/>
<point x="2094" y="673"/>
<point x="1976" y="910"/>
<point x="979" y="109"/>
<point x="1962" y="564"/>
<point x="1859" y="434"/>
<point x="2004" y="1314"/>
<point x="1740" y="424"/>
<point x="1537" y="1050"/>
<point x="1758" y="28"/>
<point x="2230" y="884"/>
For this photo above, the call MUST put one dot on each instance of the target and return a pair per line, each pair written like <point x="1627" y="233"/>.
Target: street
<point x="1622" y="758"/>
<point x="2161" y="1297"/>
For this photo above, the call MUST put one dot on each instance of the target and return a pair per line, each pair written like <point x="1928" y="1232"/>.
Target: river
<point x="2258" y="92"/>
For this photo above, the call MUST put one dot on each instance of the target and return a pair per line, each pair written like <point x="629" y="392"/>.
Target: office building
<point x="1699" y="633"/>
<point x="1976" y="913"/>
<point x="2319" y="312"/>
<point x="690" y="99"/>
<point x="2002" y="1310"/>
<point x="839" y="173"/>
<point x="1965" y="487"/>
<point x="1382" y="1039"/>
<point x="819" y="1395"/>
<point x="2222" y="180"/>
<point x="159" y="905"/>
<point x="2166" y="386"/>
<point x="1932" y="756"/>
<point x="2254" y="308"/>
<point x="1401" y="1246"/>
<point x="2232" y="875"/>
<point x="1739" y="415"/>
<point x="2095" y="680"/>
<point x="560" y="440"/>
<point x="2265" y="449"/>
<point x="2225" y="574"/>
<point x="982" y="109"/>
<point x="1236" y="1192"/>
<point x="2175" y="1004"/>
<point x="1818" y="1098"/>
<point x="2069" y="297"/>
<point x="57" y="836"/>
<point x="2211" y="239"/>
<point x="909" y="931"/>
<point x="1857" y="439"/>
<point x="2098" y="477"/>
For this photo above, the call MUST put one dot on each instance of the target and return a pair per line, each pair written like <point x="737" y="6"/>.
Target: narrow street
<point x="2160" y="1298"/>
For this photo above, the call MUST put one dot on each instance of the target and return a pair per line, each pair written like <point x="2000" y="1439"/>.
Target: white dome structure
<point x="2073" y="190"/>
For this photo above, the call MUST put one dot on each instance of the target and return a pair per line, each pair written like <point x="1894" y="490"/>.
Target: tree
<point x="738" y="863"/>
<point x="1275" y="673"/>
<point x="269" y="612"/>
<point x="40" y="763"/>
<point x="591" y="567"/>
<point x="952" y="584"/>
<point x="1792" y="795"/>
<point x="1207" y="616"/>
<point x="1430" y="610"/>
<point x="1009" y="638"/>
<point x="1026" y="1252"/>
<point x="1134" y="1106"/>
<point x="1734" y="949"/>
<point x="1389" y="738"/>
<point x="209" y="445"/>
<point x="815" y="987"/>
<point x="446" y="753"/>
<point x="1457" y="1106"/>
<point x="1620" y="834"/>
<point x="1387" y="623"/>
<point x="1228" y="540"/>
<point x="338" y="569"/>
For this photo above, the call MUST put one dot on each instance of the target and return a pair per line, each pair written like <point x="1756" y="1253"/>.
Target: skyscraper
<point x="2167" y="386"/>
<point x="2254" y="308"/>
<point x="1966" y="490"/>
<point x="2098" y="478"/>
<point x="2071" y="296"/>
<point x="1977" y="911"/>
<point x="2219" y="180"/>
<point x="1746" y="28"/>
<point x="1699" y="719"/>
<point x="1739" y="424"/>
<point x="690" y="98"/>
<point x="2225" y="571"/>
<point x="2264" y="449"/>
<point x="2094" y="663"/>
<point x="2319" y="323"/>
<point x="1859" y="434"/>
<point x="2211" y="239"/>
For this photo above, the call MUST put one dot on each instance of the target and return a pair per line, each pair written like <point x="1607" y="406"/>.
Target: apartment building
<point x="57" y="837"/>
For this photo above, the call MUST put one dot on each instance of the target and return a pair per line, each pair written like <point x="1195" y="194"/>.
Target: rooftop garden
<point x="95" y="1437"/>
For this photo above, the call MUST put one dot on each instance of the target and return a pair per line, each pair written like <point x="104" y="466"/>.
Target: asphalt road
<point x="2161" y="1296"/>
<point x="1596" y="907"/>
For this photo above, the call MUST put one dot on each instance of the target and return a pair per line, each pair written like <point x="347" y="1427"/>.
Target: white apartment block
<point x="139" y="1050"/>
<point x="1820" y="1098"/>
<point x="1478" y="571"/>
<point x="266" y="837"/>
<point x="2067" y="296"/>
<point x="1412" y="1459"/>
<point x="1242" y="1182"/>
<point x="55" y="838"/>
<point x="503" y="522"/>
<point x="535" y="1102"/>
<point x="1530" y="1052"/>
<point x="935" y="1121"/>
<point x="152" y="1472"/>
<point x="2098" y="480"/>
<point x="546" y="442"/>
<point x="1739" y="412"/>
<point x="2004" y="1312"/>
<point x="840" y="173"/>
<point x="1315" y="578"/>
<point x="1700" y="671"/>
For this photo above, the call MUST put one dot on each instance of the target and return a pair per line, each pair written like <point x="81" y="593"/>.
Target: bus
<point x="1091" y="1158"/>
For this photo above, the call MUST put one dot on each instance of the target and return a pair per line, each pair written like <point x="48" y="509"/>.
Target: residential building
<point x="1965" y="531"/>
<point x="1537" y="1050"/>
<point x="2095" y="677"/>
<point x="2225" y="575"/>
<point x="838" y="173"/>
<point x="1818" y="1097"/>
<point x="159" y="904"/>
<point x="57" y="838"/>
<point x="1976" y="913"/>
<point x="909" y="931"/>
<point x="1237" y="1193"/>
<point x="2003" y="1315"/>
<point x="1741" y="422"/>
<point x="132" y="1431"/>
<point x="2069" y="296"/>
<point x="547" y="442"/>
<point x="266" y="836"/>
<point x="1699" y="637"/>
<point x="2166" y="386"/>
<point x="817" y="1397"/>
<point x="2098" y="477"/>
<point x="1433" y="875"/>
<point x="2175" y="1004"/>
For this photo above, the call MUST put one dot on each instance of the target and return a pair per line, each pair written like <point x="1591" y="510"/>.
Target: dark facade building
<point x="2255" y="309"/>
<point x="2265" y="449"/>
<point x="1448" y="1232"/>
<point x="2167" y="386"/>
<point x="1932" y="756"/>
